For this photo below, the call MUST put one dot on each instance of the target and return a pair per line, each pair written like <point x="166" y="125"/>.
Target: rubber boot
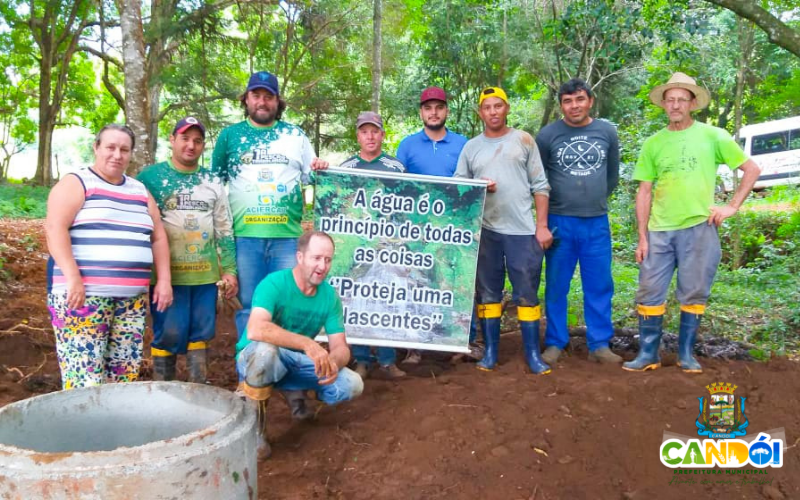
<point x="530" y="342"/>
<point x="260" y="396"/>
<point x="650" y="330"/>
<point x="491" y="339"/>
<point x="197" y="365"/>
<point x="686" y="340"/>
<point x="297" y="404"/>
<point x="163" y="365"/>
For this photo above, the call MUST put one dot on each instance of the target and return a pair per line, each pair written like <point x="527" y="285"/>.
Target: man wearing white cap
<point x="678" y="221"/>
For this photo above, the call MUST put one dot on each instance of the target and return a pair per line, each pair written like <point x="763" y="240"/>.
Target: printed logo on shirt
<point x="581" y="157"/>
<point x="190" y="223"/>
<point x="185" y="202"/>
<point x="260" y="156"/>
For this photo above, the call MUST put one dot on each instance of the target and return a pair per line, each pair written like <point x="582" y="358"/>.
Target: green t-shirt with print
<point x="293" y="311"/>
<point x="264" y="168"/>
<point x="197" y="219"/>
<point x="683" y="167"/>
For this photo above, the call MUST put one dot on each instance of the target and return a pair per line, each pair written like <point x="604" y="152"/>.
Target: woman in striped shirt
<point x="104" y="235"/>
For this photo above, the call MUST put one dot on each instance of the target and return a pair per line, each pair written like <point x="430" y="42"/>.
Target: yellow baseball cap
<point x="492" y="92"/>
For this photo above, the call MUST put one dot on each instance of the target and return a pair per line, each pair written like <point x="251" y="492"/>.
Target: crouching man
<point x="290" y="307"/>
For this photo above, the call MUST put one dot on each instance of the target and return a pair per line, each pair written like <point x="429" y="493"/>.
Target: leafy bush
<point x="19" y="201"/>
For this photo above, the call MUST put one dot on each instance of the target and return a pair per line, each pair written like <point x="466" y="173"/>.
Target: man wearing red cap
<point x="433" y="150"/>
<point x="194" y="210"/>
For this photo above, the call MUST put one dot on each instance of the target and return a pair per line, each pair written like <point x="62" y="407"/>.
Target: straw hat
<point x="680" y="81"/>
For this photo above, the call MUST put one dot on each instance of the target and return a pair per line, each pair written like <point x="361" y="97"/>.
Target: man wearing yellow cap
<point x="678" y="221"/>
<point x="509" y="161"/>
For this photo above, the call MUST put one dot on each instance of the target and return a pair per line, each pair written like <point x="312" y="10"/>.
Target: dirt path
<point x="450" y="431"/>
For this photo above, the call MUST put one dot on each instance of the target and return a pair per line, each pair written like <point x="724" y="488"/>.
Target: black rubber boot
<point x="650" y="330"/>
<point x="197" y="365"/>
<point x="164" y="368"/>
<point x="298" y="404"/>
<point x="530" y="342"/>
<point x="686" y="340"/>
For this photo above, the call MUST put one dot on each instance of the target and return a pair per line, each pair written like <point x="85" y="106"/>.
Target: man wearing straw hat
<point x="678" y="221"/>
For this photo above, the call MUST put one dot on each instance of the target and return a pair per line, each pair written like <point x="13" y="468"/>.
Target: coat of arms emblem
<point x="720" y="417"/>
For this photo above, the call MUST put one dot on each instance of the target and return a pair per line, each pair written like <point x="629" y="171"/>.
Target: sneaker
<point x="362" y="369"/>
<point x="413" y="357"/>
<point x="604" y="355"/>
<point x="392" y="372"/>
<point x="551" y="355"/>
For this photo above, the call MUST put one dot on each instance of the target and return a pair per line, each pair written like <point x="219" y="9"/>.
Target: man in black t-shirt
<point x="581" y="160"/>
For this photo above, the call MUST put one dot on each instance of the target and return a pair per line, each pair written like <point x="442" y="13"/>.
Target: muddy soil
<point x="449" y="431"/>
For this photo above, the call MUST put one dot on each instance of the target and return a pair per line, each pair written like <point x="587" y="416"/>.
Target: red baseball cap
<point x="433" y="94"/>
<point x="187" y="123"/>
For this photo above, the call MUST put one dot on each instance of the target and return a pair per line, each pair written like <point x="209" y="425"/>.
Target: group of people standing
<point x="106" y="232"/>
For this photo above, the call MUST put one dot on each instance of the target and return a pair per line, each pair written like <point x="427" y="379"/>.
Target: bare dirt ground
<point x="449" y="431"/>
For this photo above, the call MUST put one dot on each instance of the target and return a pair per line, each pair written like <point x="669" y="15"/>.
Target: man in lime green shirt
<point x="678" y="221"/>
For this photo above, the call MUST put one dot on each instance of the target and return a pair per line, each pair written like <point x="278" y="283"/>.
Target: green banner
<point x="406" y="253"/>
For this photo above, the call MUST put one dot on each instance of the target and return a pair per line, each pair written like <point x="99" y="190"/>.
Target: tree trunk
<point x="549" y="106"/>
<point x="778" y="32"/>
<point x="137" y="105"/>
<point x="376" y="55"/>
<point x="44" y="170"/>
<point x="56" y="34"/>
<point x="154" y="99"/>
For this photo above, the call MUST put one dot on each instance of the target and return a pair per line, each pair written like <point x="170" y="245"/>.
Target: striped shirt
<point x="110" y="239"/>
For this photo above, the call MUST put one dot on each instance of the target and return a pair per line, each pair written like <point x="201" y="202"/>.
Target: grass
<point x="758" y="309"/>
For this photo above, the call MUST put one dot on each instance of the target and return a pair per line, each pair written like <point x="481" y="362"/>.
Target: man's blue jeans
<point x="584" y="240"/>
<point x="385" y="355"/>
<point x="191" y="318"/>
<point x="255" y="259"/>
<point x="261" y="364"/>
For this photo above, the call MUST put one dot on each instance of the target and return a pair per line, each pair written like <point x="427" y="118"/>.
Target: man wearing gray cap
<point x="370" y="135"/>
<point x="677" y="218"/>
<point x="264" y="161"/>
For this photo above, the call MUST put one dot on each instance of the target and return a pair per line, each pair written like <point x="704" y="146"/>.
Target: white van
<point x="775" y="147"/>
